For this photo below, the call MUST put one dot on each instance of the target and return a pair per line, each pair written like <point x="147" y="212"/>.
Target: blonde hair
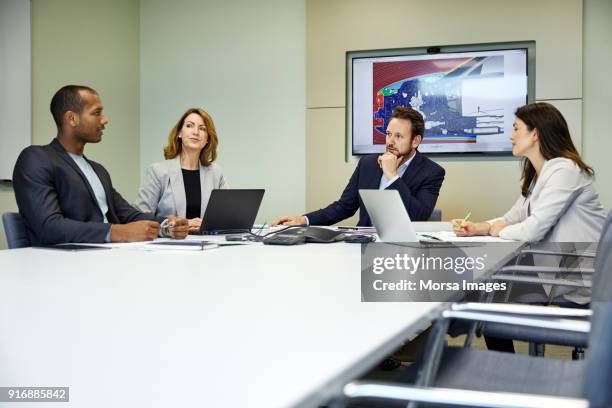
<point x="208" y="153"/>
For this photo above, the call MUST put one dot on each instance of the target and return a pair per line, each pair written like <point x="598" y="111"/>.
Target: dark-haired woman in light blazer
<point x="182" y="183"/>
<point x="558" y="202"/>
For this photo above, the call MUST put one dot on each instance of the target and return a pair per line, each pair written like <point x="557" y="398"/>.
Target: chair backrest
<point x="15" y="230"/>
<point x="604" y="239"/>
<point x="436" y="215"/>
<point x="599" y="359"/>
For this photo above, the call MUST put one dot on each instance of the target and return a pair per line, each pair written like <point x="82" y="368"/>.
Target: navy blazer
<point x="419" y="188"/>
<point x="57" y="202"/>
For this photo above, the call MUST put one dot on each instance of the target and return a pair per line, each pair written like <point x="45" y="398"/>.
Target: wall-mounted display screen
<point x="467" y="99"/>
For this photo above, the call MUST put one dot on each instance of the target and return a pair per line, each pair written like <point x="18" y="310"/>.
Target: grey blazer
<point x="163" y="192"/>
<point x="563" y="206"/>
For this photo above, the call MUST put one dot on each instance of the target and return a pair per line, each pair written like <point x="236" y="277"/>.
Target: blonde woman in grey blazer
<point x="558" y="202"/>
<point x="182" y="183"/>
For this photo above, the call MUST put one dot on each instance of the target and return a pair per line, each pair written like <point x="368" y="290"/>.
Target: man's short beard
<point x="408" y="154"/>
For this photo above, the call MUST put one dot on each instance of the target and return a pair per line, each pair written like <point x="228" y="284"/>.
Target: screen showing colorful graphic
<point x="467" y="99"/>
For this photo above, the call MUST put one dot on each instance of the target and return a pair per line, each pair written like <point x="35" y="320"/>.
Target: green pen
<point x="467" y="217"/>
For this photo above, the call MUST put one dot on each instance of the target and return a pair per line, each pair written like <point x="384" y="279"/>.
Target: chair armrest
<point x="542" y="281"/>
<point x="553" y="323"/>
<point x="451" y="397"/>
<point x="584" y="254"/>
<point x="520" y="309"/>
<point x="545" y="269"/>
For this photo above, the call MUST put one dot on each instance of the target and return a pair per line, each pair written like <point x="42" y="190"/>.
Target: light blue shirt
<point x="96" y="185"/>
<point x="385" y="182"/>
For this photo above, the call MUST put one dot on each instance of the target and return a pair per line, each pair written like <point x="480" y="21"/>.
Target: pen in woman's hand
<point x="459" y="227"/>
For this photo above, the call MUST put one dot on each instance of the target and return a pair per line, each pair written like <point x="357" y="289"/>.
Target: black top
<point x="191" y="179"/>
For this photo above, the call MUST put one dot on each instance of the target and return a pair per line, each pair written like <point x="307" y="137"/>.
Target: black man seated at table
<point x="65" y="197"/>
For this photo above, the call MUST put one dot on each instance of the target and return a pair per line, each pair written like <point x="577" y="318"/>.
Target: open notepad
<point x="449" y="236"/>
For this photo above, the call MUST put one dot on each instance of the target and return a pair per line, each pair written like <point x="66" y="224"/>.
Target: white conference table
<point x="249" y="326"/>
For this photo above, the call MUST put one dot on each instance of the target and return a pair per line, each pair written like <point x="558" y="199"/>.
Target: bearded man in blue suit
<point x="417" y="178"/>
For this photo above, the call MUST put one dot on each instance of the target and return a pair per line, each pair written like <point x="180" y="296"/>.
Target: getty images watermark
<point x="406" y="272"/>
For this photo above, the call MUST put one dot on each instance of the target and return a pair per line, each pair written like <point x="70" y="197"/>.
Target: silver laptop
<point x="391" y="219"/>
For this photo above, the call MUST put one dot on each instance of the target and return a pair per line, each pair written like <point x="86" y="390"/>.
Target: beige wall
<point x="244" y="62"/>
<point x="342" y="25"/>
<point x="98" y="43"/>
<point x="248" y="73"/>
<point x="597" y="140"/>
<point x="95" y="43"/>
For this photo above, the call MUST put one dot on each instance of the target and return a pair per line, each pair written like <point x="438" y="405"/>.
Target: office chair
<point x="542" y="250"/>
<point x="529" y="274"/>
<point x="456" y="376"/>
<point x="15" y="230"/>
<point x="436" y="215"/>
<point x="548" y="249"/>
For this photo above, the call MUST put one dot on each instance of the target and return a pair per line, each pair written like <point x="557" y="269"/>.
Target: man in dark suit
<point x="417" y="178"/>
<point x="64" y="197"/>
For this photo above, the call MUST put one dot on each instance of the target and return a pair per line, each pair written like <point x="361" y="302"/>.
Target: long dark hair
<point x="554" y="137"/>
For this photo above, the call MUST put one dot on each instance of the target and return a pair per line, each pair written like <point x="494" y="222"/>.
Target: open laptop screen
<point x="231" y="210"/>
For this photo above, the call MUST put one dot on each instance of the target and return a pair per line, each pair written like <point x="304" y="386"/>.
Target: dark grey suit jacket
<point x="57" y="202"/>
